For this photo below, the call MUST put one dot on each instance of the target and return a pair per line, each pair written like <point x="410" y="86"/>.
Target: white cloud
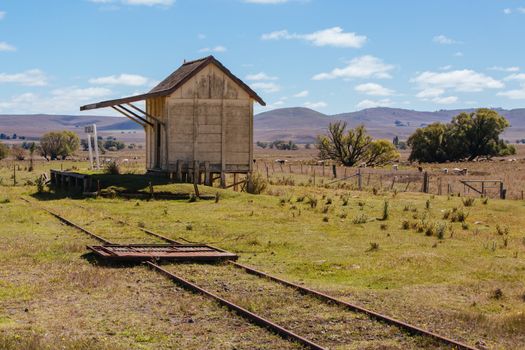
<point x="360" y="67"/>
<point x="314" y="105"/>
<point x="447" y="67"/>
<point x="465" y="80"/>
<point x="261" y="76"/>
<point x="303" y="93"/>
<point x="445" y="100"/>
<point x="371" y="104"/>
<point x="521" y="9"/>
<point x="266" y="87"/>
<point x="2" y="15"/>
<point x="374" y="89"/>
<point x="458" y="54"/>
<point x="6" y="47"/>
<point x="201" y="36"/>
<point x="59" y="101"/>
<point x="517" y="94"/>
<point x="430" y="93"/>
<point x="327" y="37"/>
<point x="505" y="69"/>
<point x="516" y="76"/>
<point x="265" y="2"/>
<point x="122" y="79"/>
<point x="32" y="77"/>
<point x="507" y="11"/>
<point x="213" y="49"/>
<point x="444" y="40"/>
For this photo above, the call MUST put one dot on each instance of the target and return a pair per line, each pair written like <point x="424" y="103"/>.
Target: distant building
<point x="199" y="120"/>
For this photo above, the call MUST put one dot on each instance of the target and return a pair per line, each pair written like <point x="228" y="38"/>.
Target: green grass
<point x="443" y="281"/>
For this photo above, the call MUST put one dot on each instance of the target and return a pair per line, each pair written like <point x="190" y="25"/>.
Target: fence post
<point x="359" y="180"/>
<point x="425" y="182"/>
<point x="334" y="170"/>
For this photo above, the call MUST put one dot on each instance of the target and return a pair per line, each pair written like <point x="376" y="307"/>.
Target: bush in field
<point x="258" y="184"/>
<point x="353" y="146"/>
<point x="59" y="144"/>
<point x="4" y="151"/>
<point x="18" y="152"/>
<point x="112" y="168"/>
<point x="466" y="137"/>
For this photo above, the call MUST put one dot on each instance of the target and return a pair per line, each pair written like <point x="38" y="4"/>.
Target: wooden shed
<point x="198" y="122"/>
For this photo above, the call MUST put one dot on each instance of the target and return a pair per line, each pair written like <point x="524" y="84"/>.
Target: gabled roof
<point x="176" y="80"/>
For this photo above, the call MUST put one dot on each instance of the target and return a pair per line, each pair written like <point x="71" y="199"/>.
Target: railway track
<point x="342" y="317"/>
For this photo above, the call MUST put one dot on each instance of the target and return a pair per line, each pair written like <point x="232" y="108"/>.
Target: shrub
<point x="360" y="219"/>
<point x="440" y="231"/>
<point x="485" y="200"/>
<point x="312" y="200"/>
<point x="405" y="225"/>
<point x="383" y="227"/>
<point x="325" y="219"/>
<point x="468" y="202"/>
<point x="345" y="201"/>
<point x="257" y="184"/>
<point x="112" y="168"/>
<point x="40" y="184"/>
<point x="386" y="211"/>
<point x="497" y="294"/>
<point x="373" y="246"/>
<point x="502" y="230"/>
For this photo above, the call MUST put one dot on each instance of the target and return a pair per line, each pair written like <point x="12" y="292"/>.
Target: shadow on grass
<point x="95" y="260"/>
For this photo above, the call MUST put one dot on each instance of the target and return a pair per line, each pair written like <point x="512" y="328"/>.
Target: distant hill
<point x="303" y="124"/>
<point x="298" y="124"/>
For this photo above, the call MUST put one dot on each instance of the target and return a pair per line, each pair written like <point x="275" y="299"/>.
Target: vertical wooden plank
<point x="223" y="137"/>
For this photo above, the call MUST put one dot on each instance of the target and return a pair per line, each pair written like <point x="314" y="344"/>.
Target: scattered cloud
<point x="6" y="47"/>
<point x="260" y="77"/>
<point x="458" y="54"/>
<point x="164" y="3"/>
<point x="507" y="11"/>
<point x="32" y="77"/>
<point x="122" y="79"/>
<point x="2" y="15"/>
<point x="505" y="69"/>
<point x="267" y="87"/>
<point x="447" y="67"/>
<point x="521" y="9"/>
<point x="201" y="36"/>
<point x="465" y="80"/>
<point x="430" y="93"/>
<point x="371" y="104"/>
<point x="360" y="67"/>
<point x="444" y="40"/>
<point x="315" y="105"/>
<point x="334" y="36"/>
<point x="374" y="89"/>
<point x="265" y="2"/>
<point x="303" y="93"/>
<point x="516" y="76"/>
<point x="516" y="94"/>
<point x="445" y="100"/>
<point x="59" y="101"/>
<point x="213" y="49"/>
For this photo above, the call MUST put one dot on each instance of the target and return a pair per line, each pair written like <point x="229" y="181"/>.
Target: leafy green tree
<point x="4" y="151"/>
<point x="18" y="152"/>
<point x="381" y="152"/>
<point x="467" y="137"/>
<point x="59" y="144"/>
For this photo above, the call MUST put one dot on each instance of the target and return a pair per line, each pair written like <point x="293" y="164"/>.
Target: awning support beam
<point x="128" y="116"/>
<point x="144" y="112"/>
<point x="136" y="115"/>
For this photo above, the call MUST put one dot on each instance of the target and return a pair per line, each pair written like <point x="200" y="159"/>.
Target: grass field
<point x="439" y="262"/>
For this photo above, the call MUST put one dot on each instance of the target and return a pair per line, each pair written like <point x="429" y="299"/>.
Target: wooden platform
<point x="172" y="252"/>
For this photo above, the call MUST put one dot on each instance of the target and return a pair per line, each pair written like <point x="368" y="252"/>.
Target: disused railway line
<point x="254" y="317"/>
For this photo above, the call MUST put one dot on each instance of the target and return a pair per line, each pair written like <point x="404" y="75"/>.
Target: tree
<point x="348" y="147"/>
<point x="32" y="149"/>
<point x="380" y="152"/>
<point x="4" y="151"/>
<point x="466" y="137"/>
<point x="59" y="144"/>
<point x="261" y="144"/>
<point x="18" y="152"/>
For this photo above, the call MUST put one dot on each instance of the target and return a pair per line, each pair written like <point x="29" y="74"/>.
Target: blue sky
<point x="331" y="55"/>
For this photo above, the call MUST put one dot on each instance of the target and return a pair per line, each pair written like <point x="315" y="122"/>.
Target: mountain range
<point x="299" y="124"/>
